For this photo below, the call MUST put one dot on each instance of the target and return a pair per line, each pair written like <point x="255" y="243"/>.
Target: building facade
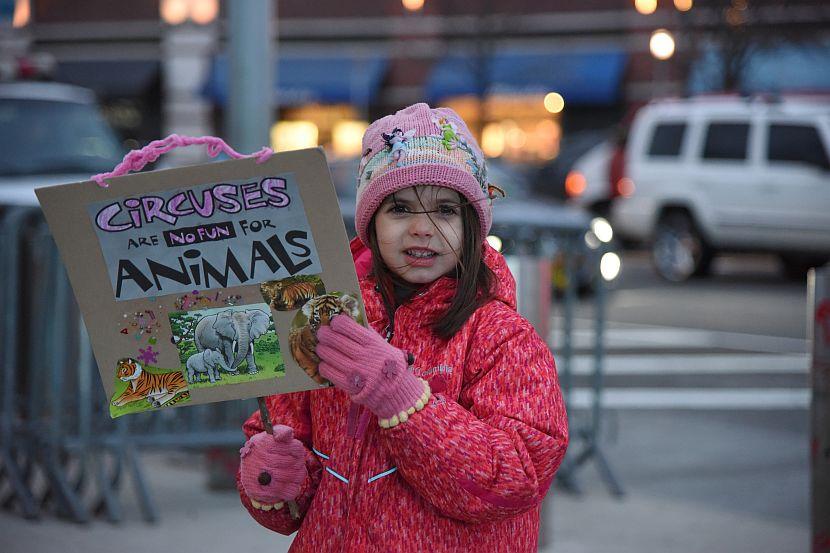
<point x="525" y="74"/>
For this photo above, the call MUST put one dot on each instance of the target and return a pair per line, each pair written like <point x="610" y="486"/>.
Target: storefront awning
<point x="304" y="79"/>
<point x="582" y="77"/>
<point x="110" y="78"/>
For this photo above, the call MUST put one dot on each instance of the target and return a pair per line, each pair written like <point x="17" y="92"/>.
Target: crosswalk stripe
<point x="703" y="363"/>
<point x="662" y="352"/>
<point x="694" y="398"/>
<point x="621" y="335"/>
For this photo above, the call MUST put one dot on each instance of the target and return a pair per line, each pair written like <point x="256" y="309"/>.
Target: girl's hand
<point x="360" y="362"/>
<point x="272" y="468"/>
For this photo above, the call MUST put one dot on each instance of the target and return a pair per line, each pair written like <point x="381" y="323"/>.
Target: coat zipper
<point x="360" y="426"/>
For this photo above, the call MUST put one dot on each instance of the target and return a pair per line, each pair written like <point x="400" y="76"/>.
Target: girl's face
<point x="419" y="247"/>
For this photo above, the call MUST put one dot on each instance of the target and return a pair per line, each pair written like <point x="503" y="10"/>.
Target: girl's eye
<point x="447" y="210"/>
<point x="397" y="208"/>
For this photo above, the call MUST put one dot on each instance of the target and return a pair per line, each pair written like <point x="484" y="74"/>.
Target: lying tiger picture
<point x="291" y="293"/>
<point x="152" y="389"/>
<point x="317" y="311"/>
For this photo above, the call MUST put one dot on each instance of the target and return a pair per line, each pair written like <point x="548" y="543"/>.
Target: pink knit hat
<point x="420" y="145"/>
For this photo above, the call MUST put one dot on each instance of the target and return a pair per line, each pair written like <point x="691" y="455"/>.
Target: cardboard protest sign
<point x="206" y="283"/>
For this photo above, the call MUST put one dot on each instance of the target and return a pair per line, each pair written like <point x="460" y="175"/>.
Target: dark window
<point x="667" y="140"/>
<point x="796" y="143"/>
<point x="726" y="141"/>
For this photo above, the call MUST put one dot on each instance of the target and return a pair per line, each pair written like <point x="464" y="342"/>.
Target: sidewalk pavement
<point x="696" y="482"/>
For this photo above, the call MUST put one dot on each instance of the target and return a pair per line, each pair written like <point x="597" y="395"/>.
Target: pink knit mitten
<point x="272" y="468"/>
<point x="357" y="360"/>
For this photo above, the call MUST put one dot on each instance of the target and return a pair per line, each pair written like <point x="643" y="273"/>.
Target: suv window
<point x="796" y="143"/>
<point x="667" y="140"/>
<point x="726" y="141"/>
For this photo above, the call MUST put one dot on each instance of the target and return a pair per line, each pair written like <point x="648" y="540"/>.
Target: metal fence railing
<point x="553" y="235"/>
<point x="61" y="451"/>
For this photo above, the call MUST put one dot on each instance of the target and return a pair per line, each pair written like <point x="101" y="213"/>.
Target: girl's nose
<point x="422" y="225"/>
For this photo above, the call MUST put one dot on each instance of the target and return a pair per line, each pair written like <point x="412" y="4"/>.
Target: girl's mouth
<point x="420" y="253"/>
<point x="418" y="257"/>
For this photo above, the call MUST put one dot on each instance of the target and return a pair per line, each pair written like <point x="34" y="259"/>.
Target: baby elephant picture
<point x="233" y="332"/>
<point x="225" y="346"/>
<point x="206" y="363"/>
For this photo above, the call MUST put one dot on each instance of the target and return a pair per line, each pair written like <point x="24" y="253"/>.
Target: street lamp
<point x="203" y="12"/>
<point x="648" y="7"/>
<point x="413" y="5"/>
<point x="176" y="12"/>
<point x="661" y="44"/>
<point x="173" y="12"/>
<point x="22" y="14"/>
<point x="645" y="7"/>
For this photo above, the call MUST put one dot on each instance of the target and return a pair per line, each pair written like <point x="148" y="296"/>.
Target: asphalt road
<point x="705" y="423"/>
<point x="745" y="293"/>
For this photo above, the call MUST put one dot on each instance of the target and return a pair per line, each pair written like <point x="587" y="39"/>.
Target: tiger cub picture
<point x="303" y="338"/>
<point x="291" y="293"/>
<point x="157" y="389"/>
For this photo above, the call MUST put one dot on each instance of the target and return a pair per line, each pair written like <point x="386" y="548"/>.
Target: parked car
<point x="52" y="133"/>
<point x="550" y="180"/>
<point x="599" y="175"/>
<point x="715" y="174"/>
<point x="587" y="183"/>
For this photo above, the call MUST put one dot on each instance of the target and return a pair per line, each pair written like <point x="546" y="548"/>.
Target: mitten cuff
<point x="420" y="385"/>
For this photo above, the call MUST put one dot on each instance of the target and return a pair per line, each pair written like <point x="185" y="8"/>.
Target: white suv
<point x="715" y="174"/>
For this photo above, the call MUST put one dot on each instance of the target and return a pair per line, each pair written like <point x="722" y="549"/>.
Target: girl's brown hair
<point x="475" y="280"/>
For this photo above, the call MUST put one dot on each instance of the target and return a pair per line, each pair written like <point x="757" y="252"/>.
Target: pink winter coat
<point x="467" y="473"/>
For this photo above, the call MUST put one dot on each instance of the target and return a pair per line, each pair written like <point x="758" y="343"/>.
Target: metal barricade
<point x="535" y="234"/>
<point x="531" y="252"/>
<point x="60" y="450"/>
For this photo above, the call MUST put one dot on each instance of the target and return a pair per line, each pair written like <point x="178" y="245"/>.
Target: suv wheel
<point x="678" y="250"/>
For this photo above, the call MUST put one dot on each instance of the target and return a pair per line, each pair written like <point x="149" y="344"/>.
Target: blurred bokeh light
<point x="661" y="44"/>
<point x="645" y="7"/>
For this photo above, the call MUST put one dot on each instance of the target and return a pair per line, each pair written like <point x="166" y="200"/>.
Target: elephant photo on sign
<point x="232" y="334"/>
<point x="223" y="346"/>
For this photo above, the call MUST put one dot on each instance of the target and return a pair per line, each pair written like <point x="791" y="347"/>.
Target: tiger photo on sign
<point x="157" y="389"/>
<point x="291" y="293"/>
<point x="316" y="312"/>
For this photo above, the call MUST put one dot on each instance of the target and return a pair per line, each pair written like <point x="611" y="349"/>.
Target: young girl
<point x="445" y="425"/>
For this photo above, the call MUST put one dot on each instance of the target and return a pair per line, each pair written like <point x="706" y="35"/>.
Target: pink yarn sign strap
<point x="135" y="160"/>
